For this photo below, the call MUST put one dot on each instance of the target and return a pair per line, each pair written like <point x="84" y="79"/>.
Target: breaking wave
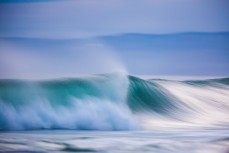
<point x="113" y="102"/>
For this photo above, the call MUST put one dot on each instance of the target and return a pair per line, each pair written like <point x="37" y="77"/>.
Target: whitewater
<point x="109" y="110"/>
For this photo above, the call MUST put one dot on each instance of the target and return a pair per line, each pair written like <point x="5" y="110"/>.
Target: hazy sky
<point x="85" y="18"/>
<point x="67" y="19"/>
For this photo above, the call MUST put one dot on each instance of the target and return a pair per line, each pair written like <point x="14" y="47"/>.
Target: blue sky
<point x="86" y="18"/>
<point x="81" y="20"/>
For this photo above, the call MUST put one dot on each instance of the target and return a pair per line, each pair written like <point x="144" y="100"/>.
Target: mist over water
<point x="112" y="100"/>
<point x="44" y="93"/>
<point x="48" y="59"/>
<point x="64" y="95"/>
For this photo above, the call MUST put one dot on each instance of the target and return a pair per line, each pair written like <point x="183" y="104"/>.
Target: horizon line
<point x="113" y="35"/>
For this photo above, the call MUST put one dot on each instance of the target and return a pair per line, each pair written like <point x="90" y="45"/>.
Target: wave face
<point x="113" y="102"/>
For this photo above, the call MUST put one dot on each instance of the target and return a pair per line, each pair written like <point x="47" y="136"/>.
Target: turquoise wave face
<point x="102" y="102"/>
<point x="56" y="92"/>
<point x="144" y="95"/>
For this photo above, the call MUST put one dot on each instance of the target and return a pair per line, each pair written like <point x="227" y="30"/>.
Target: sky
<point x="86" y="19"/>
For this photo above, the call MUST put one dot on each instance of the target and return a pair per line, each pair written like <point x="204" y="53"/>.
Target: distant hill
<point x="192" y="40"/>
<point x="133" y="41"/>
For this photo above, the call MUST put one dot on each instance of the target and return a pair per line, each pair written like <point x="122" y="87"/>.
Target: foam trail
<point x="200" y="104"/>
<point x="202" y="101"/>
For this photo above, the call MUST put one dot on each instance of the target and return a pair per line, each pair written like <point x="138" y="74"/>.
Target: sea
<point x="114" y="113"/>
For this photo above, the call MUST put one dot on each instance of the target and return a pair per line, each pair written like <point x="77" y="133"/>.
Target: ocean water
<point x="114" y="113"/>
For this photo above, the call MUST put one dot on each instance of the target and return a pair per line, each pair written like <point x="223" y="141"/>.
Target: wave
<point x="113" y="102"/>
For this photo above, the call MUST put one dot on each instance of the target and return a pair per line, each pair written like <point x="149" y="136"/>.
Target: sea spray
<point x="93" y="103"/>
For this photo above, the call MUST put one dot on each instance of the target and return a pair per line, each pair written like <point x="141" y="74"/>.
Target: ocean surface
<point x="112" y="113"/>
